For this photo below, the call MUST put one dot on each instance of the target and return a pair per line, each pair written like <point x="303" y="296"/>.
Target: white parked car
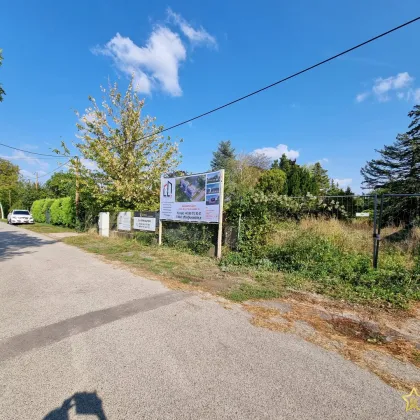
<point x="19" y="216"/>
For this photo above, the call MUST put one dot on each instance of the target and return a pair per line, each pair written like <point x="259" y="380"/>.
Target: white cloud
<point x="343" y="182"/>
<point x="21" y="156"/>
<point x="413" y="94"/>
<point x="89" y="164"/>
<point x="276" y="152"/>
<point x="362" y="96"/>
<point x="156" y="64"/>
<point x="382" y="89"/>
<point x="196" y="36"/>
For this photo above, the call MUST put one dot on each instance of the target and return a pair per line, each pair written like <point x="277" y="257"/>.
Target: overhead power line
<point x="56" y="169"/>
<point x="33" y="153"/>
<point x="286" y="78"/>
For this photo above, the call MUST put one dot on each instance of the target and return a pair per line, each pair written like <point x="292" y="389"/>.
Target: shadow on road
<point x="13" y="244"/>
<point x="84" y="403"/>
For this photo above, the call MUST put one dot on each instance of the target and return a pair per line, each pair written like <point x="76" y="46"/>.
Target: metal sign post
<point x="221" y="200"/>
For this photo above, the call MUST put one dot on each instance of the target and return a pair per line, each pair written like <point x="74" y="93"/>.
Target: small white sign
<point x="145" y="223"/>
<point x="124" y="220"/>
<point x="362" y="214"/>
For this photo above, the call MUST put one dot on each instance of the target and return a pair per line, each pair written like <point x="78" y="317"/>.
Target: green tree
<point x="320" y="176"/>
<point x="61" y="184"/>
<point x="2" y="92"/>
<point x="275" y="164"/>
<point x="27" y="193"/>
<point x="285" y="164"/>
<point x="9" y="184"/>
<point x="130" y="154"/>
<point x="293" y="181"/>
<point x="223" y="156"/>
<point x="398" y="168"/>
<point x="272" y="181"/>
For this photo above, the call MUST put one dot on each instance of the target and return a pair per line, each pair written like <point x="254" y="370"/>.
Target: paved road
<point x="80" y="338"/>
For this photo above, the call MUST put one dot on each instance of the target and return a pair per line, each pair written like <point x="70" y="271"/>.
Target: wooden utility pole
<point x="36" y="182"/>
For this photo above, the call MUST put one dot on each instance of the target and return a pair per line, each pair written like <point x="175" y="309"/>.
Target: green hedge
<point x="62" y="211"/>
<point x="37" y="212"/>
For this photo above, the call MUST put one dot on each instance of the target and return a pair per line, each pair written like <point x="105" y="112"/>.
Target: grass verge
<point x="180" y="268"/>
<point x="46" y="228"/>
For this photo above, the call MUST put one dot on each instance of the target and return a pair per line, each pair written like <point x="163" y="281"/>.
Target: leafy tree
<point x="9" y="183"/>
<point x="259" y="160"/>
<point x="130" y="153"/>
<point x="223" y="156"/>
<point x="61" y="184"/>
<point x="241" y="175"/>
<point x="27" y="193"/>
<point x="398" y="168"/>
<point x="272" y="181"/>
<point x="2" y="92"/>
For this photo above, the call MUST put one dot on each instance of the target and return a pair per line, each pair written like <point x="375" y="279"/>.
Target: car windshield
<point x="21" y="212"/>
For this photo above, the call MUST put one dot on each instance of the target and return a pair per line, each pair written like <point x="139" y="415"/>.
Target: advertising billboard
<point x="192" y="198"/>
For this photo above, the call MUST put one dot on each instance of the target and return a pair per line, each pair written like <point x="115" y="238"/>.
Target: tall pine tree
<point x="398" y="168"/>
<point x="223" y="156"/>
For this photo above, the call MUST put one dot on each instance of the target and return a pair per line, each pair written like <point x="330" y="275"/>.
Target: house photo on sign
<point x="192" y="198"/>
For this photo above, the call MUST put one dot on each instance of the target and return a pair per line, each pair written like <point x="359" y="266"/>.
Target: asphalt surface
<point x="80" y="338"/>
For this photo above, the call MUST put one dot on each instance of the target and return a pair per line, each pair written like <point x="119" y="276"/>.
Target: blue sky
<point x="191" y="56"/>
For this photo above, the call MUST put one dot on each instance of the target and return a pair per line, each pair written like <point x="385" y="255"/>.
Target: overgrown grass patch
<point x="327" y="257"/>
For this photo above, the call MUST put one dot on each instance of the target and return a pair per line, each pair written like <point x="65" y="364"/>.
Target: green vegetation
<point x="46" y="228"/>
<point x="62" y="211"/>
<point x="333" y="258"/>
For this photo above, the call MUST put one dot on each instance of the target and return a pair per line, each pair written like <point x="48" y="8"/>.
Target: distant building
<point x="189" y="189"/>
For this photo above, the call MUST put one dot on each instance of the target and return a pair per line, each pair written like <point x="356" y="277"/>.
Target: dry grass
<point x="355" y="235"/>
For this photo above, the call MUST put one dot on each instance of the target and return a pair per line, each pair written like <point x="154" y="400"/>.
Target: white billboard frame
<point x="168" y="204"/>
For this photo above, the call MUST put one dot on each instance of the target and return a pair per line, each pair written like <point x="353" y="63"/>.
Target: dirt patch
<point x="379" y="340"/>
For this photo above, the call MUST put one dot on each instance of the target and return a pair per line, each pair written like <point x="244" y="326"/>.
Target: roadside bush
<point x="37" y="212"/>
<point x="56" y="212"/>
<point x="197" y="238"/>
<point x="338" y="272"/>
<point x="145" y="238"/>
<point x="68" y="212"/>
<point x="46" y="208"/>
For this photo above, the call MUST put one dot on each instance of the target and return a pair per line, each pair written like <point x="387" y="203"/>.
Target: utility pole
<point x="36" y="182"/>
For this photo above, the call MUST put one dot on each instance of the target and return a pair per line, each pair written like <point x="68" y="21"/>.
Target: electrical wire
<point x="33" y="153"/>
<point x="58" y="167"/>
<point x="285" y="79"/>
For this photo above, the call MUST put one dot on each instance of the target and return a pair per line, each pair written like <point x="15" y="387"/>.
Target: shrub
<point x="36" y="211"/>
<point x="339" y="272"/>
<point x="193" y="237"/>
<point x="46" y="208"/>
<point x="68" y="212"/>
<point x="56" y="212"/>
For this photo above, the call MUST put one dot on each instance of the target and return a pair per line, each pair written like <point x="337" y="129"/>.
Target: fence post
<point x="378" y="235"/>
<point x="160" y="232"/>
<point x="375" y="213"/>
